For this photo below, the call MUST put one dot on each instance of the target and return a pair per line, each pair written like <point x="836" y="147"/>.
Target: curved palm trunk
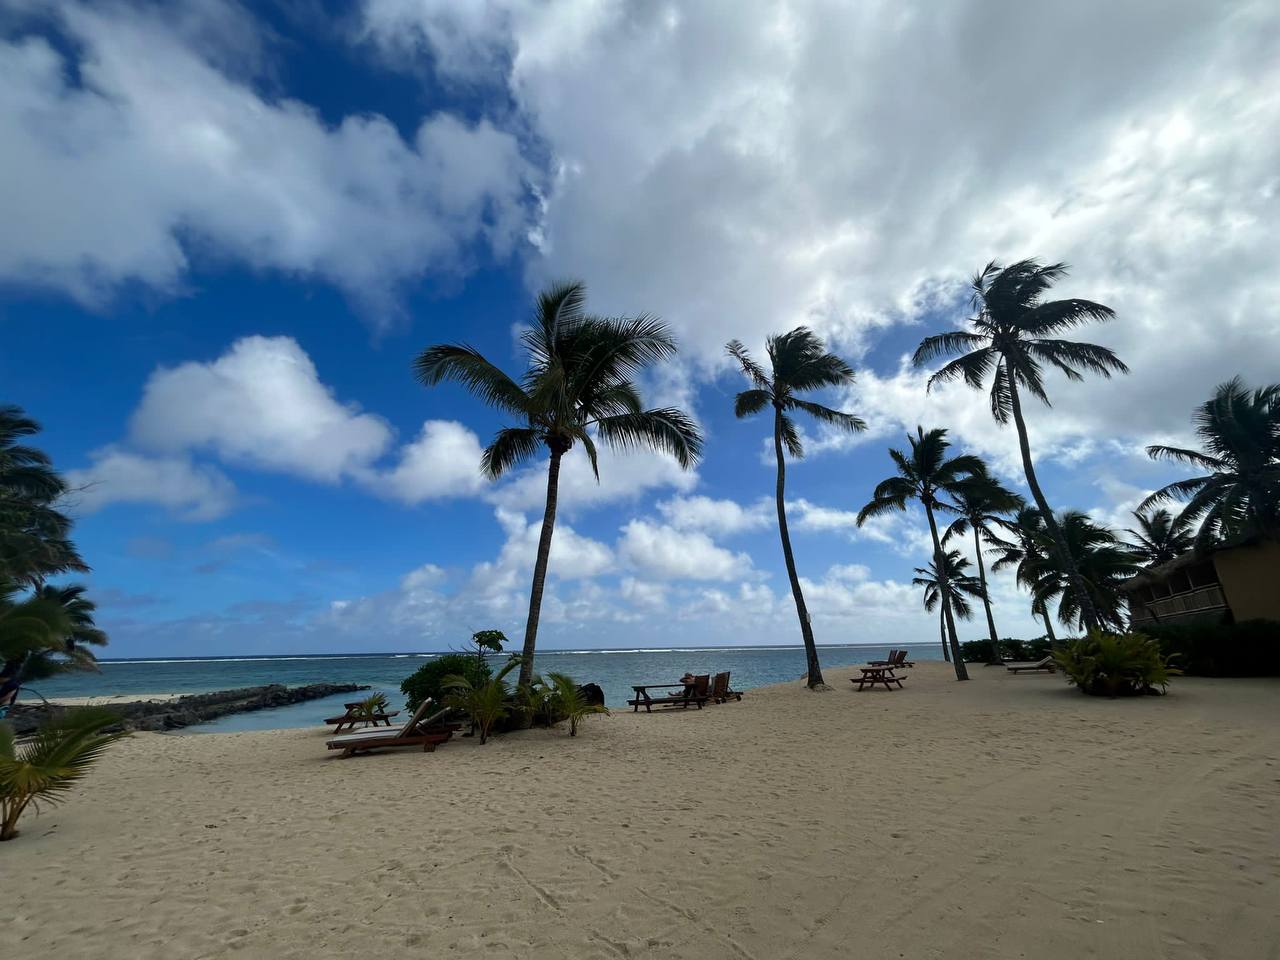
<point x="1048" y="628"/>
<point x="540" y="569"/>
<point x="806" y="630"/>
<point x="942" y="632"/>
<point x="1087" y="610"/>
<point x="944" y="585"/>
<point x="995" y="660"/>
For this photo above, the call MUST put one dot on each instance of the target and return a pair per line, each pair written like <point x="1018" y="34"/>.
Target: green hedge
<point x="1011" y="648"/>
<point x="425" y="681"/>
<point x="1247" y="649"/>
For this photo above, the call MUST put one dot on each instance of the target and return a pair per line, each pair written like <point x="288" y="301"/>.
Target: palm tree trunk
<point x="540" y="568"/>
<point x="806" y="630"/>
<point x="995" y="660"/>
<point x="1048" y="628"/>
<point x="944" y="585"/>
<point x="1087" y="609"/>
<point x="942" y="632"/>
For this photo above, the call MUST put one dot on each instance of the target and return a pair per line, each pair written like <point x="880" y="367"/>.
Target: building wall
<point x="1251" y="580"/>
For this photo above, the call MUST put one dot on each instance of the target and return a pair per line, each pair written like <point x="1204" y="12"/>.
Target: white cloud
<point x="164" y="153"/>
<point x="191" y="491"/>
<point x="443" y="461"/>
<point x="721" y="517"/>
<point x="260" y="403"/>
<point x="739" y="168"/>
<point x="623" y="477"/>
<point x="666" y="552"/>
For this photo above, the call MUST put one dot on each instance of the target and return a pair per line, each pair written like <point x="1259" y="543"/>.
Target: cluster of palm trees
<point x="579" y="389"/>
<point x="44" y="628"/>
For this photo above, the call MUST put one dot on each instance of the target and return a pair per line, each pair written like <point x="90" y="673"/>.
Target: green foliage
<point x="428" y="680"/>
<point x="489" y="641"/>
<point x="1115" y="664"/>
<point x="43" y="769"/>
<point x="567" y="702"/>
<point x="1247" y="649"/>
<point x="484" y="703"/>
<point x="371" y="706"/>
<point x="1011" y="648"/>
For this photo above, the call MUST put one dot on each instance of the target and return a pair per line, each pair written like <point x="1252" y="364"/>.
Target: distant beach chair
<point x="896" y="658"/>
<point x="693" y="694"/>
<point x="355" y="714"/>
<point x="1046" y="665"/>
<point x="720" y="692"/>
<point x="424" y="729"/>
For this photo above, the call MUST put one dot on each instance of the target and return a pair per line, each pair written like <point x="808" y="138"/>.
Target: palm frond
<point x="750" y="402"/>
<point x="466" y="365"/>
<point x="790" y="436"/>
<point x="755" y="373"/>
<point x="666" y="429"/>
<point x="945" y="344"/>
<point x="837" y="418"/>
<point x="509" y="448"/>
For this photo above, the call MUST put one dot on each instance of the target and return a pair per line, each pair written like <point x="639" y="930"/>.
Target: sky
<point x="226" y="230"/>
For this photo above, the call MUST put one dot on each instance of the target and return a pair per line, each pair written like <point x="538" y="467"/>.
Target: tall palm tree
<point x="1240" y="493"/>
<point x="1013" y="334"/>
<point x="32" y="629"/>
<point x="798" y="362"/>
<point x="1029" y="545"/>
<point x="1159" y="537"/>
<point x="982" y="501"/>
<point x="927" y="475"/>
<point x="577" y="389"/>
<point x="962" y="584"/>
<point x="1102" y="562"/>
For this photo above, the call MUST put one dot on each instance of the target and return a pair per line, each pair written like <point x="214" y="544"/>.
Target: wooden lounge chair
<point x="720" y="692"/>
<point x="424" y="729"/>
<point x="1046" y="665"/>
<point x="889" y="661"/>
<point x="355" y="715"/>
<point x="694" y="695"/>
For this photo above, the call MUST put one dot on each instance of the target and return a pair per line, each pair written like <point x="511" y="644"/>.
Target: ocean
<point x="614" y="670"/>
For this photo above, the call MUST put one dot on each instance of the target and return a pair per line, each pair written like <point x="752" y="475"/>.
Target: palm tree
<point x="1102" y="562"/>
<point x="1030" y="545"/>
<point x="799" y="363"/>
<point x="1160" y="538"/>
<point x="1240" y="494"/>
<point x="982" y="500"/>
<point x="925" y="475"/>
<point x="32" y="629"/>
<point x="578" y="389"/>
<point x="1012" y="336"/>
<point x="34" y="537"/>
<point x="44" y="768"/>
<point x="962" y="584"/>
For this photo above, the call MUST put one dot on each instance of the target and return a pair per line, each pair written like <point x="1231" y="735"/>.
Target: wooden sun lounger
<point x="353" y="717"/>
<point x="720" y="692"/>
<point x="1046" y="665"/>
<point x="896" y="658"/>
<point x="424" y="729"/>
<point x="695" y="694"/>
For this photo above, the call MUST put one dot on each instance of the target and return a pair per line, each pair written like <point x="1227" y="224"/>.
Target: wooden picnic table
<point x="874" y="675"/>
<point x="642" y="697"/>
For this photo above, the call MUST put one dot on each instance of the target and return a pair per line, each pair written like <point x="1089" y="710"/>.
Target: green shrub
<point x="567" y="702"/>
<point x="1115" y="665"/>
<point x="1250" y="648"/>
<point x="485" y="702"/>
<point x="1011" y="648"/>
<point x="428" y="680"/>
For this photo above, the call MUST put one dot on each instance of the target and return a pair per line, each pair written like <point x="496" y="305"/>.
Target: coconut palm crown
<point x="1239" y="494"/>
<point x="963" y="584"/>
<point x="1103" y="562"/>
<point x="1013" y="335"/>
<point x="1159" y="537"/>
<point x="577" y="390"/>
<point x="799" y="362"/>
<point x="927" y="475"/>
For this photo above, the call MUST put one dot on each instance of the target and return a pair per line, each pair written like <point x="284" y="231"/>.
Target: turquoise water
<point x="614" y="670"/>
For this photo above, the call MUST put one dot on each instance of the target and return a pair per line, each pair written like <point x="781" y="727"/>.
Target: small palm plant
<point x="484" y="703"/>
<point x="43" y="769"/>
<point x="569" y="703"/>
<point x="372" y="706"/>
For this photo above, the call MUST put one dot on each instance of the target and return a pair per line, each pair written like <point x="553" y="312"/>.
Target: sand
<point x="1006" y="817"/>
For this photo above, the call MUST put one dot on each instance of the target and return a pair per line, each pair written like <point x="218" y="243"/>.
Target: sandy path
<point x="1004" y="818"/>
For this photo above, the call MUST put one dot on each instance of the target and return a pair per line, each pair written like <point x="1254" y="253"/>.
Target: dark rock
<point x="192" y="709"/>
<point x="592" y="694"/>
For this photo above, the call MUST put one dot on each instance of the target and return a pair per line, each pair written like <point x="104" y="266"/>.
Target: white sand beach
<point x="1008" y="817"/>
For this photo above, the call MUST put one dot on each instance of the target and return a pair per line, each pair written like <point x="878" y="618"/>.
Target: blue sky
<point x="228" y="229"/>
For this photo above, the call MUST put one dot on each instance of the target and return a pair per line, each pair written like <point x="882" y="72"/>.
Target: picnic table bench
<point x="643" y="699"/>
<point x="874" y="675"/>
